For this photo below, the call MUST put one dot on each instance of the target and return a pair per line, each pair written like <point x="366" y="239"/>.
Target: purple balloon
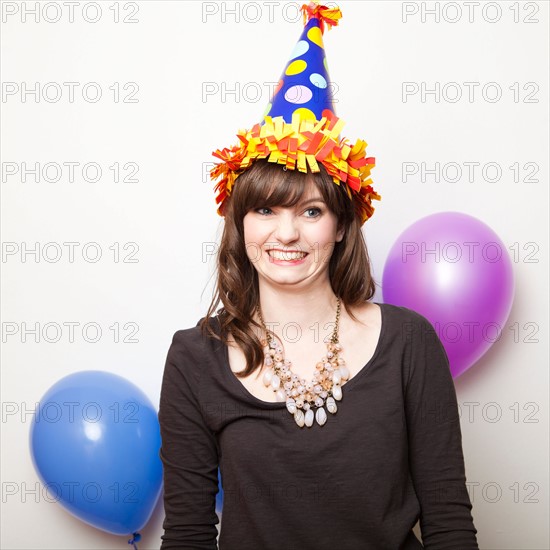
<point x="454" y="270"/>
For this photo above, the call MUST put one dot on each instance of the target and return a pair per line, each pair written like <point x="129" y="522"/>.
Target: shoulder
<point x="190" y="352"/>
<point x="407" y="324"/>
<point x="193" y="337"/>
<point x="426" y="354"/>
<point x="398" y="318"/>
<point x="398" y="325"/>
<point x="402" y="314"/>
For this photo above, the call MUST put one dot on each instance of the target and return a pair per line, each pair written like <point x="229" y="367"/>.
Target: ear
<point x="340" y="234"/>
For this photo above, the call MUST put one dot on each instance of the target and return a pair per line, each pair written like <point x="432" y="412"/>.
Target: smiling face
<point x="269" y="208"/>
<point x="292" y="244"/>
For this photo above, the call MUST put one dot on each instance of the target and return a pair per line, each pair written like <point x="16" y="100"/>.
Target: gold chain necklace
<point x="323" y="390"/>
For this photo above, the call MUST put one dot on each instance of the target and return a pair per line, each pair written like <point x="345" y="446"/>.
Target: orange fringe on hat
<point x="301" y="144"/>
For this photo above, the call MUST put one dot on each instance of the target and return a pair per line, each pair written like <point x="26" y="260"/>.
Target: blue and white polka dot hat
<point x="304" y="86"/>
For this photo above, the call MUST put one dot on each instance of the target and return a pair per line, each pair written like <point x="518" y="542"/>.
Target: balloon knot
<point x="136" y="537"/>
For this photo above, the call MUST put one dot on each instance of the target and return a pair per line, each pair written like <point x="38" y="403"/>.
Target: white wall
<point x="171" y="52"/>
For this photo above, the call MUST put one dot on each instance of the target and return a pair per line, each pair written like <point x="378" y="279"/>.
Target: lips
<point x="286" y="255"/>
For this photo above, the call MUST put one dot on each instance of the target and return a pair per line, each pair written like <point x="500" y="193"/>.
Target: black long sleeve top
<point x="390" y="455"/>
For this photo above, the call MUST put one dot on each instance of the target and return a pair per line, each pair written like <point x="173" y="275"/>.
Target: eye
<point x="262" y="210"/>
<point x="316" y="212"/>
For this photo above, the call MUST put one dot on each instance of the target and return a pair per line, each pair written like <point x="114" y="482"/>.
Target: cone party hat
<point x="300" y="129"/>
<point x="304" y="87"/>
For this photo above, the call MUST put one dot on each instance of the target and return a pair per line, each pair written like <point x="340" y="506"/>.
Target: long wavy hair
<point x="266" y="184"/>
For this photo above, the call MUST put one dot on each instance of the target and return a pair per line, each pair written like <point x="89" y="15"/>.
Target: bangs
<point x="267" y="184"/>
<point x="277" y="188"/>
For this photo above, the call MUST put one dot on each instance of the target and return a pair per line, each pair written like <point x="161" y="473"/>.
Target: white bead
<point x="299" y="418"/>
<point x="281" y="395"/>
<point x="275" y="382"/>
<point x="309" y="418"/>
<point x="344" y="371"/>
<point x="291" y="405"/>
<point x="336" y="377"/>
<point x="331" y="405"/>
<point x="321" y="416"/>
<point x="337" y="392"/>
<point x="267" y="377"/>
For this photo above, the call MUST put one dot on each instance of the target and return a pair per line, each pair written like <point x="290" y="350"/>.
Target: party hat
<point x="300" y="128"/>
<point x="304" y="86"/>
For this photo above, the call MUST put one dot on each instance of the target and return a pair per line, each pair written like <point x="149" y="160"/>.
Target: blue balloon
<point x="95" y="443"/>
<point x="219" y="495"/>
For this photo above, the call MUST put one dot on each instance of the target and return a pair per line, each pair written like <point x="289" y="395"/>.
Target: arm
<point x="189" y="456"/>
<point x="436" y="459"/>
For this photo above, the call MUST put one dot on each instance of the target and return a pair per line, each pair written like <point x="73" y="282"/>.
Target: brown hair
<point x="266" y="184"/>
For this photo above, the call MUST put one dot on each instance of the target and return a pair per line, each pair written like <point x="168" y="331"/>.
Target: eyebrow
<point x="309" y="201"/>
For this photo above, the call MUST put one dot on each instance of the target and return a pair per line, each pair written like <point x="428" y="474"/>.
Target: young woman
<point x="388" y="453"/>
<point x="332" y="419"/>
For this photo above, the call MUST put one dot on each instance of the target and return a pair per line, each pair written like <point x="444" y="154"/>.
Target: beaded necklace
<point x="323" y="390"/>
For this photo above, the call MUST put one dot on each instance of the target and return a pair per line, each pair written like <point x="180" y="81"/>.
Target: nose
<point x="287" y="228"/>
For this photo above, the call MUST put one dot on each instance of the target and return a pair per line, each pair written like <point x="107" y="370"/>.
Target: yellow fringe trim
<point x="299" y="145"/>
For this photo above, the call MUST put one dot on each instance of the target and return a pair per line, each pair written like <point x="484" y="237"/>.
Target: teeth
<point x="277" y="255"/>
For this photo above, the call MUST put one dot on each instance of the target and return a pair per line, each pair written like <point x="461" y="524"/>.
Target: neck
<point x="298" y="307"/>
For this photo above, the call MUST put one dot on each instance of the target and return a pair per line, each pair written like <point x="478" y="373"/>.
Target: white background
<point x="174" y="52"/>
